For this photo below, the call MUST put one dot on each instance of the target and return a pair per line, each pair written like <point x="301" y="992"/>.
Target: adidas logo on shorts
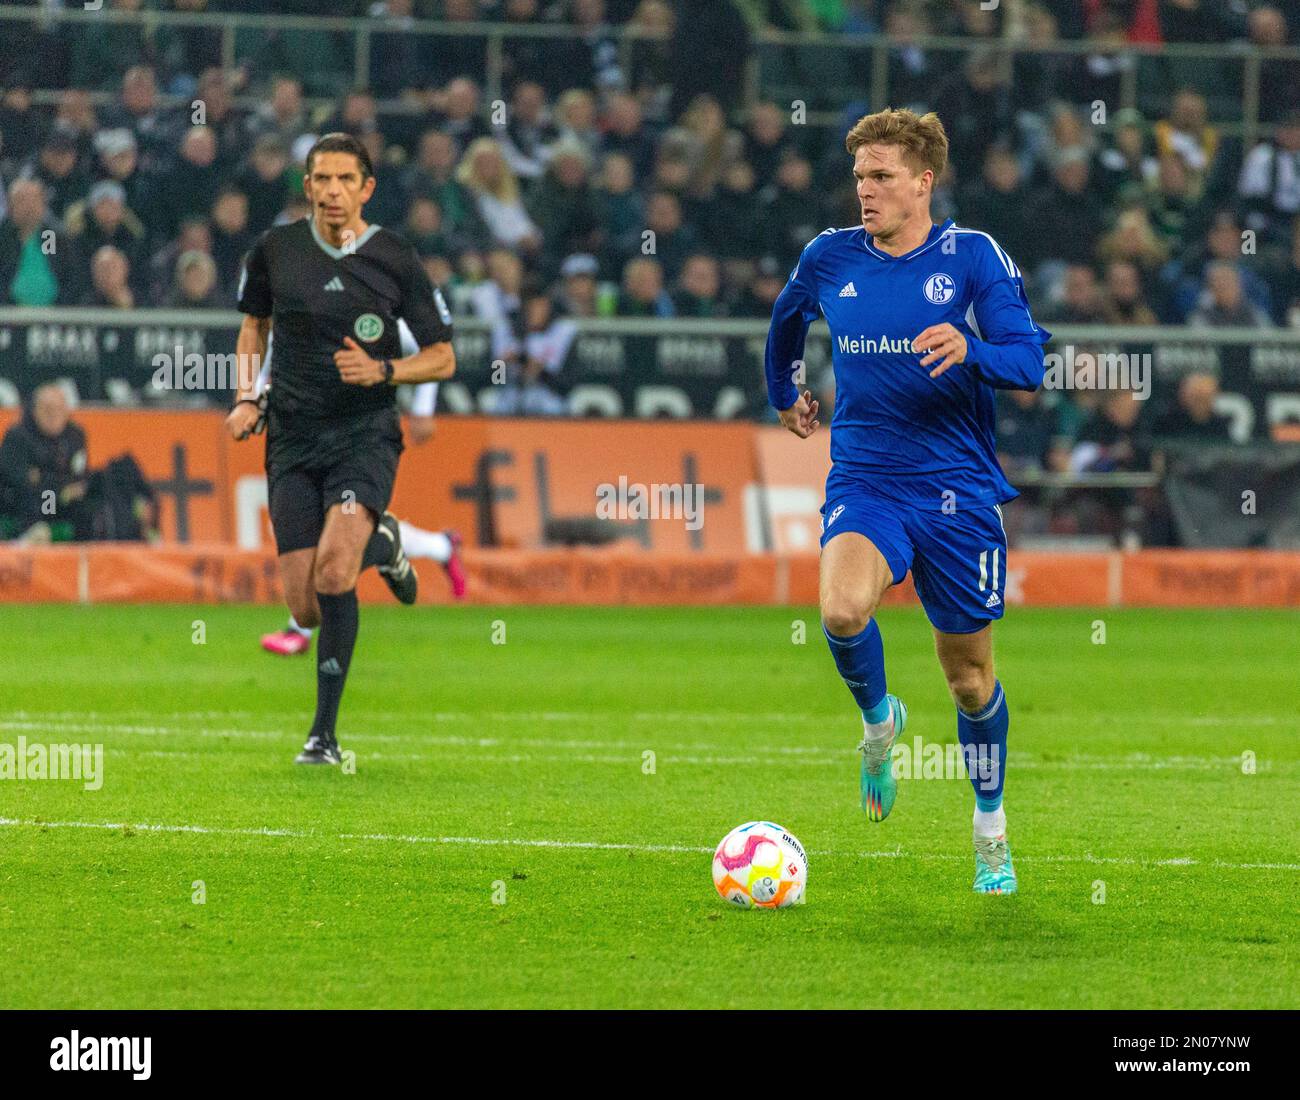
<point x="331" y="667"/>
<point x="993" y="600"/>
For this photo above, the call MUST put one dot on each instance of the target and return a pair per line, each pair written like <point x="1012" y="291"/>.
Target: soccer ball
<point x="759" y="864"/>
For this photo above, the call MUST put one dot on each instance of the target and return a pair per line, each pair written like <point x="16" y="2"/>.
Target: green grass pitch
<point x="505" y="841"/>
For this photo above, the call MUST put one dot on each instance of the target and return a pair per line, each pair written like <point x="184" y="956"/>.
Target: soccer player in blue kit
<point x="926" y="321"/>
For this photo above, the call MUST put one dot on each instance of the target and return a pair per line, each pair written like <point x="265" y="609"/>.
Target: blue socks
<point x="861" y="661"/>
<point x="983" y="738"/>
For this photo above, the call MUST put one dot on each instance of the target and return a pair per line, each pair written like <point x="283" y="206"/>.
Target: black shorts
<point x="307" y="473"/>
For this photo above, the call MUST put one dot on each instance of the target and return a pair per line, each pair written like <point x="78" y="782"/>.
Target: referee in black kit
<point x="331" y="289"/>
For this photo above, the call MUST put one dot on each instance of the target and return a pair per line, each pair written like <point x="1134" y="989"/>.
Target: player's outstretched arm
<point x="801" y="417"/>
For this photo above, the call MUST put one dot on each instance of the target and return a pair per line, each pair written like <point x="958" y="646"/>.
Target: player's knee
<point x="334" y="575"/>
<point x="845" y="617"/>
<point x="971" y="686"/>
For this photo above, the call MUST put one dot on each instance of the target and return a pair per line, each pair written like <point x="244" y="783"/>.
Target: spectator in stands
<point x="597" y="65"/>
<point x="57" y="168"/>
<point x="1171" y="204"/>
<point x="153" y="127"/>
<point x="1134" y="239"/>
<point x="1223" y="304"/>
<point x="650" y="66"/>
<point x="1201" y="21"/>
<point x="196" y="284"/>
<point x="534" y="355"/>
<point x="1030" y="435"/>
<point x="185" y="51"/>
<point x="500" y="295"/>
<point x="1269" y="185"/>
<point x="624" y="210"/>
<point x="1124" y="301"/>
<point x="398" y="58"/>
<point x="423" y="227"/>
<point x="110" y="280"/>
<point x="43" y="475"/>
<point x="1192" y="417"/>
<point x="699" y="288"/>
<point x="1279" y="77"/>
<point x="528" y="136"/>
<point x="996" y="203"/>
<point x="1110" y="439"/>
<point x="912" y="74"/>
<point x="21" y="125"/>
<point x="626" y="133"/>
<point x="1125" y="168"/>
<point x="188" y="187"/>
<point x="730" y="227"/>
<point x="766" y="141"/>
<point x="1080" y="298"/>
<point x="484" y="174"/>
<point x="1224" y="243"/>
<point x="434" y="176"/>
<point x="283" y="114"/>
<point x="231" y="239"/>
<point x="118" y="161"/>
<point x="704" y="142"/>
<point x="708" y="52"/>
<point x="758" y="298"/>
<point x="790" y="210"/>
<point x="673" y="240"/>
<point x="1187" y="134"/>
<point x="566" y="208"/>
<point x="976" y="106"/>
<point x="643" y="293"/>
<point x="76" y="116"/>
<point x="1071" y="207"/>
<point x="104" y="219"/>
<point x="34" y="271"/>
<point x="227" y="122"/>
<point x="195" y="236"/>
<point x="578" y="295"/>
<point x="576" y="122"/>
<point x="264" y="179"/>
<point x="458" y="55"/>
<point x="457" y="112"/>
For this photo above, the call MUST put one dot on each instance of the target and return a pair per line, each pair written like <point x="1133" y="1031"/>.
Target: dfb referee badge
<point x="369" y="327"/>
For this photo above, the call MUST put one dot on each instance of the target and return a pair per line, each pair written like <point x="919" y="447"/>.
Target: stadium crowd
<point x="542" y="213"/>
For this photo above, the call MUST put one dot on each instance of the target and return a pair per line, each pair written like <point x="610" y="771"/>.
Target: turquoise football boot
<point x="994" y="873"/>
<point x="878" y="782"/>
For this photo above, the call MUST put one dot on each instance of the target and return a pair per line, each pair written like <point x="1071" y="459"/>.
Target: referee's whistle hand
<point x="241" y="420"/>
<point x="801" y="417"/>
<point x="355" y="366"/>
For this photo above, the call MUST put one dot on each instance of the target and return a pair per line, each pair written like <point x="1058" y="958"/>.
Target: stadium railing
<point x="1230" y="73"/>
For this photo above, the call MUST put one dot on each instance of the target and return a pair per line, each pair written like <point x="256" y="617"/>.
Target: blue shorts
<point x="958" y="559"/>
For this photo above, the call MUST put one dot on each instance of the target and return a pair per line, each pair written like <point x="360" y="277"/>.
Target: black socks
<point x="337" y="636"/>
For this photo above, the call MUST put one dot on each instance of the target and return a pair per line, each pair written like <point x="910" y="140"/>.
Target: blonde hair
<point x="922" y="138"/>
<point x="506" y="188"/>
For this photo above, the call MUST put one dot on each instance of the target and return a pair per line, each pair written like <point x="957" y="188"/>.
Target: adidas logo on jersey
<point x="849" y="291"/>
<point x="334" y="284"/>
<point x="993" y="600"/>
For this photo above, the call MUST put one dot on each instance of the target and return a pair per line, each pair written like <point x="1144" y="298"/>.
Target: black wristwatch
<point x="387" y="366"/>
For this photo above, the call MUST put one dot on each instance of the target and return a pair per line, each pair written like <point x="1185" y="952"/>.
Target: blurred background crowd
<point x="1133" y="185"/>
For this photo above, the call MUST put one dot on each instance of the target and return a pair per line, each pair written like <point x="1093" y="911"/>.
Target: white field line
<point x="775" y="755"/>
<point x="760" y="719"/>
<point x="755" y="760"/>
<point x="604" y="846"/>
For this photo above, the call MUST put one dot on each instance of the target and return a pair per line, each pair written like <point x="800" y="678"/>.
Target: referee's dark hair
<point x="339" y="142"/>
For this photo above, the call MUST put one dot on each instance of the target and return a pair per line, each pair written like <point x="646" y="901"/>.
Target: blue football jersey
<point x="896" y="430"/>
